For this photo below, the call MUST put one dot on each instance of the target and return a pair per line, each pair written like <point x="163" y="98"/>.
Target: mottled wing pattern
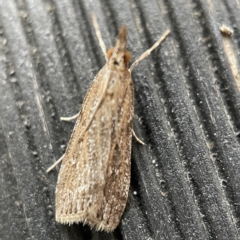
<point x="119" y="167"/>
<point x="94" y="177"/>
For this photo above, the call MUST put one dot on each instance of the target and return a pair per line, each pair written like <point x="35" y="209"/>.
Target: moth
<point x="94" y="177"/>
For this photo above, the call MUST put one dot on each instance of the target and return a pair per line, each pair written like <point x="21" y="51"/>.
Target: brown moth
<point x="94" y="178"/>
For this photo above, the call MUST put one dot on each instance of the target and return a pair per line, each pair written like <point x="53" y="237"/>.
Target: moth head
<point x="125" y="58"/>
<point x="118" y="56"/>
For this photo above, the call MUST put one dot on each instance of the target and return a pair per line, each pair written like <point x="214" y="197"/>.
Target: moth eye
<point x="115" y="62"/>
<point x="127" y="57"/>
<point x="110" y="52"/>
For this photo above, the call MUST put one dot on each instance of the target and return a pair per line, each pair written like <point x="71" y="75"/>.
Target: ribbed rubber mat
<point x="185" y="181"/>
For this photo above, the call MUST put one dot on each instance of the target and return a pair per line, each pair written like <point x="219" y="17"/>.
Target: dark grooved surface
<point x="185" y="180"/>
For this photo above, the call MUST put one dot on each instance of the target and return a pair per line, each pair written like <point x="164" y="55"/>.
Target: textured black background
<point x="186" y="181"/>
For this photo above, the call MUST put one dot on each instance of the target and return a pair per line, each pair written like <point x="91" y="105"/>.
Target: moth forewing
<point x="95" y="173"/>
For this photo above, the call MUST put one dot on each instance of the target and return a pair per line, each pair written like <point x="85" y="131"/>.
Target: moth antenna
<point x="145" y="54"/>
<point x="98" y="33"/>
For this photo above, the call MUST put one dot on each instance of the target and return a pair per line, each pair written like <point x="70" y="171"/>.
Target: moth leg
<point x="145" y="54"/>
<point x="98" y="33"/>
<point x="56" y="163"/>
<point x="68" y="119"/>
<point x="134" y="134"/>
